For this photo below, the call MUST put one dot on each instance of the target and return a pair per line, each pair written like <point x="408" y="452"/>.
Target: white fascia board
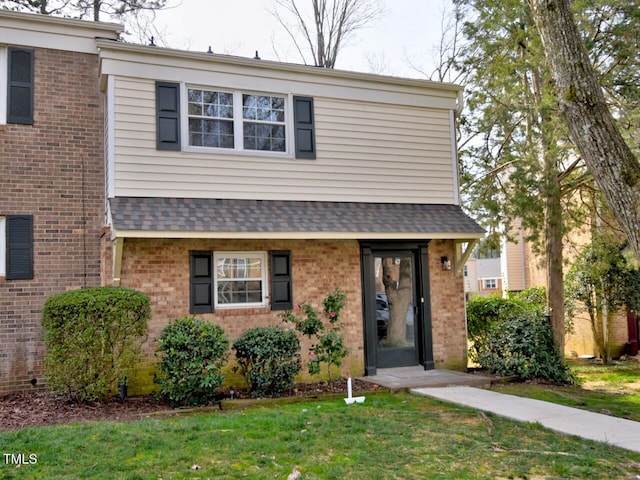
<point x="46" y="31"/>
<point x="225" y="71"/>
<point x="297" y="235"/>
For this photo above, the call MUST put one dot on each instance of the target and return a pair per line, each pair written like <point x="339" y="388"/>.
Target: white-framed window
<point x="240" y="279"/>
<point x="490" y="284"/>
<point x="3" y="247"/>
<point x="235" y="120"/>
<point x="3" y="86"/>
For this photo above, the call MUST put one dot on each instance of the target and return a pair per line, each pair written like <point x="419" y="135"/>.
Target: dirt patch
<point x="41" y="407"/>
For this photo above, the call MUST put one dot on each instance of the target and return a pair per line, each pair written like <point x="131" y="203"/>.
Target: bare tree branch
<point x="320" y="32"/>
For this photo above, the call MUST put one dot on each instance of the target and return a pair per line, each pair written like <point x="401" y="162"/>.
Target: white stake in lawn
<point x="349" y="400"/>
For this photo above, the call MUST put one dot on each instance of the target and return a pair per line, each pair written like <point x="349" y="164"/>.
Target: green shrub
<point x="329" y="346"/>
<point x="269" y="359"/>
<point x="92" y="338"/>
<point x="523" y="345"/>
<point x="193" y="353"/>
<point x="483" y="314"/>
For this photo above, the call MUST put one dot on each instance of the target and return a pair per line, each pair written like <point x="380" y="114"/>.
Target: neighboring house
<point x="483" y="273"/>
<point x="51" y="176"/>
<point x="522" y="269"/>
<point x="236" y="188"/>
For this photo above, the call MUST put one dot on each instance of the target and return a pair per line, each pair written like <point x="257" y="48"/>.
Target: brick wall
<point x="54" y="171"/>
<point x="448" y="317"/>
<point x="160" y="268"/>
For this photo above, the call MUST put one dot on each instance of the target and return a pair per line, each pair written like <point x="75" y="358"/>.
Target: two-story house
<point x="238" y="187"/>
<point x="234" y="188"/>
<point x="51" y="176"/>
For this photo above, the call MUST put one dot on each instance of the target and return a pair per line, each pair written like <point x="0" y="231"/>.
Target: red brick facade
<point x="54" y="171"/>
<point x="160" y="268"/>
<point x="448" y="316"/>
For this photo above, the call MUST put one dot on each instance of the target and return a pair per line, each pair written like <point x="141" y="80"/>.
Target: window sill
<point x="234" y="152"/>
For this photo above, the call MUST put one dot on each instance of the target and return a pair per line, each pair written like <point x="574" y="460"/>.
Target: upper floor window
<point x="210" y="119"/>
<point x="263" y="123"/>
<point x="490" y="284"/>
<point x="16" y="88"/>
<point x="216" y="120"/>
<point x="234" y="120"/>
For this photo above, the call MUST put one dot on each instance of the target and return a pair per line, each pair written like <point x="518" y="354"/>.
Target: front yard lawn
<point x="389" y="436"/>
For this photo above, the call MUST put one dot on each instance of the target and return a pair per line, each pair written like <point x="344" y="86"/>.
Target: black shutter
<point x="168" y="116"/>
<point x="20" y="86"/>
<point x="281" y="280"/>
<point x="201" y="282"/>
<point x="305" y="136"/>
<point x="19" y="247"/>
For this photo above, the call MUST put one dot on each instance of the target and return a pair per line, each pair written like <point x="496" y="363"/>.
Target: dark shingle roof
<point x="269" y="216"/>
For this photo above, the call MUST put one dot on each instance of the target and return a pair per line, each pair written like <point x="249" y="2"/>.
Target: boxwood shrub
<point x="92" y="338"/>
<point x="269" y="359"/>
<point x="193" y="353"/>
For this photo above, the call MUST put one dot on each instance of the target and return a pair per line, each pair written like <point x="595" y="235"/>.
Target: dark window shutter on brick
<point x="20" y="86"/>
<point x="168" y="116"/>
<point x="19" y="247"/>
<point x="201" y="282"/>
<point x="281" y="280"/>
<point x="305" y="136"/>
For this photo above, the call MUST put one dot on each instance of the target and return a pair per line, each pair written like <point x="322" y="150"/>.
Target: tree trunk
<point x="590" y="123"/>
<point x="555" y="277"/>
<point x="543" y="121"/>
<point x="397" y="285"/>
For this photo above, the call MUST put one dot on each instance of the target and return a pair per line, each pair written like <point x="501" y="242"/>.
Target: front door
<point x="397" y="319"/>
<point x="396" y="312"/>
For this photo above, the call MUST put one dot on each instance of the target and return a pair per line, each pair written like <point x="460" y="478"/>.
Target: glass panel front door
<point x="395" y="291"/>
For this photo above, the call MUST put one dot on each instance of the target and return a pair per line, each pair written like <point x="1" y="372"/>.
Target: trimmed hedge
<point x="92" y="338"/>
<point x="269" y="359"/>
<point x="193" y="353"/>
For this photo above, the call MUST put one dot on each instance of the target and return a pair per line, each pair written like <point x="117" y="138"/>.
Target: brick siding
<point x="54" y="171"/>
<point x="448" y="317"/>
<point x="160" y="268"/>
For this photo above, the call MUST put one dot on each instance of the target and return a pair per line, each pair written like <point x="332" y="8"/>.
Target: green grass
<point x="612" y="390"/>
<point x="389" y="436"/>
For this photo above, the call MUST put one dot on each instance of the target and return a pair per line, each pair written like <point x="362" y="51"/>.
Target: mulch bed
<point x="40" y="407"/>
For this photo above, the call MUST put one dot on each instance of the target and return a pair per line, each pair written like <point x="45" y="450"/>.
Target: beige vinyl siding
<point x="515" y="278"/>
<point x="366" y="151"/>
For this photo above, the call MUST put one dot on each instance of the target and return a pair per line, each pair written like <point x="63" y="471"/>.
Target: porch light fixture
<point x="446" y="263"/>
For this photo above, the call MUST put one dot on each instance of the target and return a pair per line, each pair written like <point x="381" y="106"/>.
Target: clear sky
<point x="405" y="34"/>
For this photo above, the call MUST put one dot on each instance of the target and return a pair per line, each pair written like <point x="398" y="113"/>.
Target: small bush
<point x="523" y="345"/>
<point x="193" y="354"/>
<point x="329" y="346"/>
<point x="483" y="314"/>
<point x="269" y="359"/>
<point x="92" y="338"/>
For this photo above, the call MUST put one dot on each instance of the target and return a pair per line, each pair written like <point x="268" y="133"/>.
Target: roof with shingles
<point x="268" y="216"/>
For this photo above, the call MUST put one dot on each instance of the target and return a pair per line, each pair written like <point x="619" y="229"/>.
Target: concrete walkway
<point x="594" y="426"/>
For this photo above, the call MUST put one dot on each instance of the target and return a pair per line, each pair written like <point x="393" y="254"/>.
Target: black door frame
<point x="424" y="339"/>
